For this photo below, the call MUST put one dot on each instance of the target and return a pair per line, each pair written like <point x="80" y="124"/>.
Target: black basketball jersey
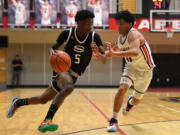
<point x="79" y="48"/>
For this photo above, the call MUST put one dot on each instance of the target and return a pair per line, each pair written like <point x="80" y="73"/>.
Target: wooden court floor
<point x="86" y="112"/>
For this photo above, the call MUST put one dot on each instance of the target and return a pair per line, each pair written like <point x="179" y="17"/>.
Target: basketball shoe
<point x="113" y="125"/>
<point x="11" y="110"/>
<point x="47" y="126"/>
<point x="127" y="107"/>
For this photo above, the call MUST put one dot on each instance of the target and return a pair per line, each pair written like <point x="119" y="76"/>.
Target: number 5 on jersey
<point x="77" y="58"/>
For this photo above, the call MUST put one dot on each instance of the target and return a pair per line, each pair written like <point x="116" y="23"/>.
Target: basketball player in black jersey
<point x="80" y="42"/>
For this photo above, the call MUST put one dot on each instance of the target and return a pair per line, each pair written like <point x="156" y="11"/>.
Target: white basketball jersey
<point x="71" y="9"/>
<point x="97" y="10"/>
<point x="143" y="61"/>
<point x="45" y="14"/>
<point x="45" y="11"/>
<point x="19" y="13"/>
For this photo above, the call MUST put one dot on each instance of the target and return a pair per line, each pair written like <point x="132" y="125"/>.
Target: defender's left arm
<point x="132" y="50"/>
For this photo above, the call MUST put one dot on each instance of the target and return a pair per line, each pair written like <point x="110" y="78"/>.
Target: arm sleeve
<point x="62" y="38"/>
<point x="97" y="40"/>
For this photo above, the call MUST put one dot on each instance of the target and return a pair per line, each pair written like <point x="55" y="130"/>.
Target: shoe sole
<point x="113" y="129"/>
<point x="48" y="128"/>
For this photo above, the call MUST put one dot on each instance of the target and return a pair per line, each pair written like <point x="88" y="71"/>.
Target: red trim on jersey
<point x="146" y="54"/>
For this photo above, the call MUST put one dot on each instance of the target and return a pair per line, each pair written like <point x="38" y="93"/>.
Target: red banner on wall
<point x="141" y="24"/>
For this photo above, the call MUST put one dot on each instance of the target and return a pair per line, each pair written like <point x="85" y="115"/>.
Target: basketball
<point x="71" y="14"/>
<point x="60" y="61"/>
<point x="11" y="1"/>
<point x="93" y="2"/>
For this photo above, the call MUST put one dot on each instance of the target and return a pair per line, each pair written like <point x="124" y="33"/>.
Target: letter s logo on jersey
<point x="79" y="48"/>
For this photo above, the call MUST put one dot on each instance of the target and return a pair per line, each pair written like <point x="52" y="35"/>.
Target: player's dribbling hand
<point x="51" y="51"/>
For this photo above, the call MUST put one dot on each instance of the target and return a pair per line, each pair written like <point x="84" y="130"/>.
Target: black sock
<point x="22" y="102"/>
<point x="51" y="112"/>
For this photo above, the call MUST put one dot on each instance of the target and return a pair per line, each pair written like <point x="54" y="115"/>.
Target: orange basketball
<point x="60" y="61"/>
<point x="93" y="2"/>
<point x="71" y="14"/>
<point x="11" y="1"/>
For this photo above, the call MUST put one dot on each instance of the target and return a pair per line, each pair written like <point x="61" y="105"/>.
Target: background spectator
<point x="20" y="12"/>
<point x="45" y="10"/>
<point x="97" y="7"/>
<point x="17" y="66"/>
<point x="71" y="10"/>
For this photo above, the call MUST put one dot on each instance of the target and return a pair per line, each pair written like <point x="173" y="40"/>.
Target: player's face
<point x="98" y="2"/>
<point x="86" y="25"/>
<point x="46" y="1"/>
<point x="123" y="26"/>
<point x="71" y="2"/>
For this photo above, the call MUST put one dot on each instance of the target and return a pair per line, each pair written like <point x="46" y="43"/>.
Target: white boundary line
<point x="174" y="110"/>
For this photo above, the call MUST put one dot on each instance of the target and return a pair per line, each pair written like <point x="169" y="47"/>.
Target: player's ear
<point x="130" y="25"/>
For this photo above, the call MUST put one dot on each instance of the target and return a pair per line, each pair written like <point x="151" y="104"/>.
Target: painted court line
<point x="99" y="110"/>
<point x="168" y="108"/>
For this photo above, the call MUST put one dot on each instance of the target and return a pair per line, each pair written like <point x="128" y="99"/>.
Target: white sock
<point x="115" y="115"/>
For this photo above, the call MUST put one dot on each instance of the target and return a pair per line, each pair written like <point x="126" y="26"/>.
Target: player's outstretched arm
<point x="132" y="51"/>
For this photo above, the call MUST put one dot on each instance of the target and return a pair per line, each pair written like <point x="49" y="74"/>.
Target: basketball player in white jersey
<point x="97" y="12"/>
<point x="20" y="12"/>
<point x="45" y="10"/>
<point x="138" y="71"/>
<point x="71" y="10"/>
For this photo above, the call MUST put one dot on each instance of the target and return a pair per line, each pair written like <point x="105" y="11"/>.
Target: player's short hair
<point x="126" y="15"/>
<point x="83" y="14"/>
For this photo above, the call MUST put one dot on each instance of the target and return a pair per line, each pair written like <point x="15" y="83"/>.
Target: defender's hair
<point x="126" y="16"/>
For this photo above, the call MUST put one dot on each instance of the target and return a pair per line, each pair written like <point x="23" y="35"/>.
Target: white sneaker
<point x="113" y="125"/>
